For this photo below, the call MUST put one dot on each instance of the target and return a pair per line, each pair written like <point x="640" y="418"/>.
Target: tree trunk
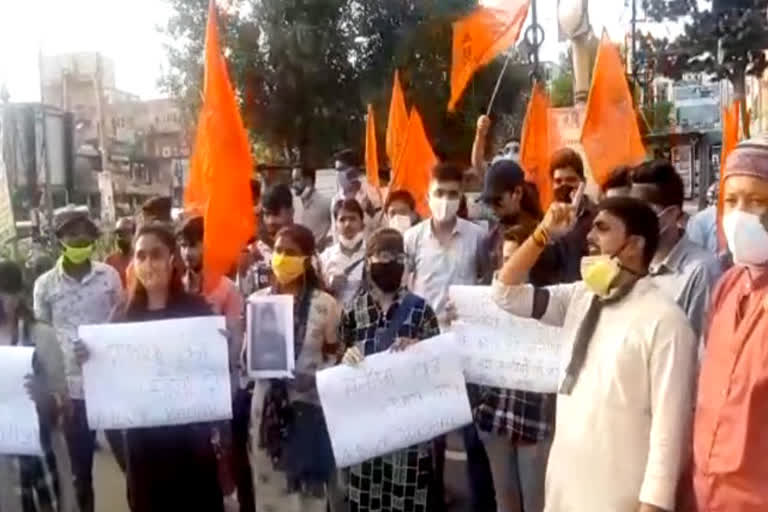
<point x="740" y="94"/>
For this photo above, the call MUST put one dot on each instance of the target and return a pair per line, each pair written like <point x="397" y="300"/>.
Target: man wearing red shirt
<point x="730" y="436"/>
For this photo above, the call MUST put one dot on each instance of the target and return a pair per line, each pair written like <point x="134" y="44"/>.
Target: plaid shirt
<point x="521" y="416"/>
<point x="399" y="481"/>
<point x="363" y="317"/>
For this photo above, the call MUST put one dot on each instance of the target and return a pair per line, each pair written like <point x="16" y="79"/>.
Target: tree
<point x="658" y="115"/>
<point x="306" y="69"/>
<point x="727" y="42"/>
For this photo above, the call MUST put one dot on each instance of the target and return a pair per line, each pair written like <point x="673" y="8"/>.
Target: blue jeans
<point x="518" y="473"/>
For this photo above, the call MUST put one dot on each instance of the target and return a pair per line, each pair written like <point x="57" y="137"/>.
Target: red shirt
<point x="731" y="425"/>
<point x="119" y="261"/>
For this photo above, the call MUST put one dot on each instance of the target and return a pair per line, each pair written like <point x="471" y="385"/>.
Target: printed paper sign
<point x="149" y="374"/>
<point x="19" y="424"/>
<point x="270" y="337"/>
<point x="394" y="400"/>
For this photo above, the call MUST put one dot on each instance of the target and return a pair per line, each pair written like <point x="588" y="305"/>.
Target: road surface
<point x="109" y="481"/>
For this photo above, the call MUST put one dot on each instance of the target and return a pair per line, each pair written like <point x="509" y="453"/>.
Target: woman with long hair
<point x="291" y="454"/>
<point x="174" y="467"/>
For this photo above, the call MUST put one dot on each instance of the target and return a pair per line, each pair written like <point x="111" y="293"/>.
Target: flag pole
<point x="498" y="83"/>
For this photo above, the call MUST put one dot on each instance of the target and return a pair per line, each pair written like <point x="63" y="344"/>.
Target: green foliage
<point x="658" y="115"/>
<point x="729" y="44"/>
<point x="305" y="70"/>
<point x="561" y="90"/>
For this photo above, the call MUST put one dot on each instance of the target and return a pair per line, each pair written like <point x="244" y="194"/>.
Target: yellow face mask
<point x="77" y="255"/>
<point x="599" y="273"/>
<point x="287" y="268"/>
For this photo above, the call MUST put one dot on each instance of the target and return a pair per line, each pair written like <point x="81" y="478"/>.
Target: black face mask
<point x="387" y="276"/>
<point x="563" y="193"/>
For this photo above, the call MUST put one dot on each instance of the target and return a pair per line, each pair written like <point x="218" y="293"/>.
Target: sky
<point x="126" y="31"/>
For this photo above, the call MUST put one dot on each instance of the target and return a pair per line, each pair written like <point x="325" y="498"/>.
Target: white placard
<point x="475" y="306"/>
<point x="394" y="400"/>
<point x="525" y="359"/>
<point x="19" y="424"/>
<point x="270" y="351"/>
<point x="149" y="374"/>
<point x="503" y="350"/>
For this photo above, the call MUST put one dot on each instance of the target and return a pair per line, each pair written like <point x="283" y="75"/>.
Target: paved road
<point x="110" y="483"/>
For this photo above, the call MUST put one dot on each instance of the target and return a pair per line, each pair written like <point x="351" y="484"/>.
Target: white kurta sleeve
<point x="672" y="379"/>
<point x="518" y="300"/>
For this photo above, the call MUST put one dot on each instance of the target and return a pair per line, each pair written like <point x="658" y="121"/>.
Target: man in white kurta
<point x="622" y="429"/>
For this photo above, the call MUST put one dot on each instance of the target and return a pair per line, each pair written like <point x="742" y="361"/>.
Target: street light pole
<point x="634" y="39"/>
<point x="106" y="190"/>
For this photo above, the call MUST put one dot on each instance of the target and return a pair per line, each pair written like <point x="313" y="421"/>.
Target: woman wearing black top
<point x="169" y="468"/>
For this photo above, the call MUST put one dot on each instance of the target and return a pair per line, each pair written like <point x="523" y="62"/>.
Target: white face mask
<point x="400" y="223"/>
<point x="747" y="238"/>
<point x="443" y="209"/>
<point x="351" y="243"/>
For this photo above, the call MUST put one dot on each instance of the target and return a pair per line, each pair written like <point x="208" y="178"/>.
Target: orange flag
<point x="397" y="124"/>
<point x="536" y="150"/>
<point x="221" y="166"/>
<point x="610" y="135"/>
<point x="480" y="37"/>
<point x="371" y="150"/>
<point x="414" y="168"/>
<point x="731" y="118"/>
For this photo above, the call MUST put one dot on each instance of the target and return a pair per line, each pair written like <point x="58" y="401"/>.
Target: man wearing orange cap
<point x="730" y="436"/>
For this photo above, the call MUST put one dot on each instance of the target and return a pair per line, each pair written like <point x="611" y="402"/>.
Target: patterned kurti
<point x="398" y="482"/>
<point x="273" y="491"/>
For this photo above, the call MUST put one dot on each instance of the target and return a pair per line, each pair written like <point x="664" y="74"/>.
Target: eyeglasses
<point x="388" y="257"/>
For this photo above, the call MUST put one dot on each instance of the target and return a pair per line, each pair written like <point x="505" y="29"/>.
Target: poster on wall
<point x="682" y="159"/>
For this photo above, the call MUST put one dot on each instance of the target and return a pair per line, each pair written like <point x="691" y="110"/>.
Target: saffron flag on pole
<point x="480" y="37"/>
<point x="221" y="166"/>
<point x="414" y="167"/>
<point x="731" y="119"/>
<point x="536" y="151"/>
<point x="397" y="123"/>
<point x="371" y="150"/>
<point x="610" y="134"/>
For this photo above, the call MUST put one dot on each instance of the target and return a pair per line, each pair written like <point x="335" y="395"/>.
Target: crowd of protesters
<point x="660" y="405"/>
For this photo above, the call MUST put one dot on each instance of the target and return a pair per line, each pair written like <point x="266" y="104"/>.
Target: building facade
<point x="145" y="141"/>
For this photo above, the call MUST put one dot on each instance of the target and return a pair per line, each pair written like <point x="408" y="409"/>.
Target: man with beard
<point x="121" y="258"/>
<point x="514" y="201"/>
<point x="626" y="393"/>
<point x="560" y="261"/>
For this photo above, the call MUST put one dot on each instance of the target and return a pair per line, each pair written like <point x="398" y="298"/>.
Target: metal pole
<point x="106" y="188"/>
<point x="99" y="92"/>
<point x="536" y="42"/>
<point x="498" y="84"/>
<point x="47" y="193"/>
<point x="634" y="39"/>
